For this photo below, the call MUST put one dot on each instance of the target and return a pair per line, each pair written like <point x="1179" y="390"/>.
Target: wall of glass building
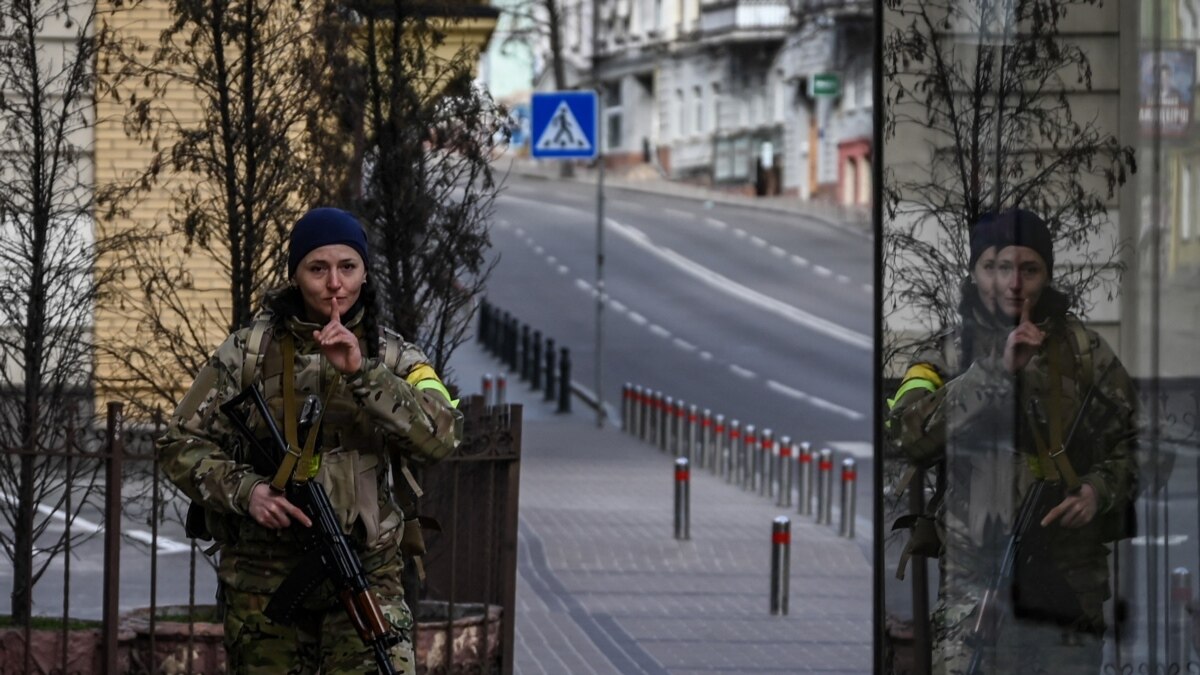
<point x="1040" y="322"/>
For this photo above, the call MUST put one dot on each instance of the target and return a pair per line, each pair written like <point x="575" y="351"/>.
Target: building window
<point x="613" y="112"/>
<point x="698" y="105"/>
<point x="1185" y="203"/>
<point x="680" y="114"/>
<point x="716" y="106"/>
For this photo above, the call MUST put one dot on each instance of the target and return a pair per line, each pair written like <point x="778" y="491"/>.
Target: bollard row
<point x="743" y="455"/>
<point x="524" y="352"/>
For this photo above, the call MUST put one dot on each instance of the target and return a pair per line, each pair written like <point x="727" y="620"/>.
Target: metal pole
<point x="749" y="457"/>
<point x="664" y="422"/>
<point x="626" y="407"/>
<point x="825" y="487"/>
<point x="720" y="445"/>
<point x="781" y="545"/>
<point x="549" y="393"/>
<point x="600" y="297"/>
<point x="691" y="437"/>
<point x="487" y="389"/>
<point x="706" y="440"/>
<point x="564" y="381"/>
<point x="1181" y="635"/>
<point x="786" y="450"/>
<point x="682" y="499"/>
<point x="677" y="416"/>
<point x="735" y="454"/>
<point x="849" y="480"/>
<point x="766" y="473"/>
<point x="535" y="365"/>
<point x="112" y="533"/>
<point x="501" y="389"/>
<point x="525" y="352"/>
<point x="804" y="488"/>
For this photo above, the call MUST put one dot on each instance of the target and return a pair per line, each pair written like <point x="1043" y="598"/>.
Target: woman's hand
<point x="338" y="344"/>
<point x="1023" y="341"/>
<point x="272" y="509"/>
<point x="1076" y="510"/>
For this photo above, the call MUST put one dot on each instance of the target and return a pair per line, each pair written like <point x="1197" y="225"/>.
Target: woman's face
<point x="984" y="275"/>
<point x="333" y="271"/>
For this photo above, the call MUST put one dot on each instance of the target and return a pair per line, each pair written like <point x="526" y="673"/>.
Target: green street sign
<point x="824" y="84"/>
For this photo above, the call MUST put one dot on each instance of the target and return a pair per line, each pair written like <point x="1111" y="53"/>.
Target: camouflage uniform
<point x="373" y="413"/>
<point x="975" y="425"/>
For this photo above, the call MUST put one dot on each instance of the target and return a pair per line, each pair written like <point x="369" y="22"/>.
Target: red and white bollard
<point x="825" y="487"/>
<point x="735" y="453"/>
<point x="804" y="483"/>
<point x="487" y="389"/>
<point x="501" y="389"/>
<point x="849" y="481"/>
<point x="781" y="546"/>
<point x="720" y="446"/>
<point x="749" y="456"/>
<point x="707" y="452"/>
<point x="766" y="464"/>
<point x="786" y="450"/>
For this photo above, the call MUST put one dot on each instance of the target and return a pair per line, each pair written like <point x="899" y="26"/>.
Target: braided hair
<point x="286" y="301"/>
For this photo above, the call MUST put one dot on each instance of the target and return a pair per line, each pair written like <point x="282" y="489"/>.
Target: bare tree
<point x="49" y="278"/>
<point x="426" y="184"/>
<point x="991" y="82"/>
<point x="538" y="23"/>
<point x="239" y="174"/>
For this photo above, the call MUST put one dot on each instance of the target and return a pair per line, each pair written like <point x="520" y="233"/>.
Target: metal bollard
<point x="786" y="450"/>
<point x="665" y="418"/>
<point x="749" y="456"/>
<point x="626" y="406"/>
<point x="804" y="487"/>
<point x="781" y="545"/>
<point x="1181" y="634"/>
<point x="678" y="414"/>
<point x="635" y="412"/>
<point x="825" y="487"/>
<point x="683" y="480"/>
<point x="692" y="436"/>
<point x="487" y="389"/>
<point x="706" y="440"/>
<point x="657" y="405"/>
<point x="482" y="335"/>
<point x="564" y="381"/>
<point x="766" y="476"/>
<point x="501" y="387"/>
<point x="525" y="353"/>
<point x="849" y="480"/>
<point x="535" y="363"/>
<point x="720" y="444"/>
<point x="549" y="395"/>
<point x="643" y="412"/>
<point x="735" y="454"/>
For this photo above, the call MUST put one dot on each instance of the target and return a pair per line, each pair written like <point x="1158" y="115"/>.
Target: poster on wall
<point x="1167" y="83"/>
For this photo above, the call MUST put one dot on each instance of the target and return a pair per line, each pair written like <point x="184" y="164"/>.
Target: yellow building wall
<point x="118" y="157"/>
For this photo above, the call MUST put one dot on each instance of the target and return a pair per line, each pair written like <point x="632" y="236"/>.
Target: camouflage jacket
<point x="369" y="416"/>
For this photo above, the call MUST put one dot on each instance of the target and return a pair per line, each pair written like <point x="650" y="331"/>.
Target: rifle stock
<point x="329" y="554"/>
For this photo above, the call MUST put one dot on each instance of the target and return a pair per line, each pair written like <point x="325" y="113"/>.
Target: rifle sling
<point x="1058" y="458"/>
<point x="304" y="457"/>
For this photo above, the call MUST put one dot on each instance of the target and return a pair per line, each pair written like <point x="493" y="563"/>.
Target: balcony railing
<point x="744" y="15"/>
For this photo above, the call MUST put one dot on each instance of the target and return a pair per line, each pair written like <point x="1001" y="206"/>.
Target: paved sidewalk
<point x="604" y="588"/>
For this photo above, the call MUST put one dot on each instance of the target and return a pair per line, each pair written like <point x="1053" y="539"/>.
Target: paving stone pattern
<point x="603" y="587"/>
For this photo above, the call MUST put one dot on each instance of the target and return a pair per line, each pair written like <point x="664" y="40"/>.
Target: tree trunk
<point x="566" y="169"/>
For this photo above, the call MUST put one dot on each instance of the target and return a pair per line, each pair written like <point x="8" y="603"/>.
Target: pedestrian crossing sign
<point x="563" y="124"/>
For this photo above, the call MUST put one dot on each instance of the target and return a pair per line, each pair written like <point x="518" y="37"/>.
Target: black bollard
<point x="535" y="364"/>
<point x="502" y="346"/>
<point x="549" y="370"/>
<point x="513" y="335"/>
<point x="564" y="381"/>
<point x="524" y="352"/>
<point x="484" y="310"/>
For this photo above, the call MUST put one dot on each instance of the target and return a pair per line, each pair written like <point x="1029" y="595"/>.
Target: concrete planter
<point x="174" y="638"/>
<point x="473" y="636"/>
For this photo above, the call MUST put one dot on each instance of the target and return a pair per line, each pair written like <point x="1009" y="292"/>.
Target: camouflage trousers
<point x="1022" y="646"/>
<point x="322" y="641"/>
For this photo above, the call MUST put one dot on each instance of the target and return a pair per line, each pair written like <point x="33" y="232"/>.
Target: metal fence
<point x="127" y="602"/>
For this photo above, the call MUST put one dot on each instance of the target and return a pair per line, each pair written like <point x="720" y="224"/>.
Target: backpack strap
<point x="256" y="347"/>
<point x="1083" y="351"/>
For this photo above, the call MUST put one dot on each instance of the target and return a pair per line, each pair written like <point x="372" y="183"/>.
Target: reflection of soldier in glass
<point x="999" y="427"/>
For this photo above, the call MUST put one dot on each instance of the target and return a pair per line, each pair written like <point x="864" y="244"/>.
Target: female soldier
<point x="375" y="407"/>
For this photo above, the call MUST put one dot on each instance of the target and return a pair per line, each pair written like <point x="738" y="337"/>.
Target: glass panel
<point x="1040" y="322"/>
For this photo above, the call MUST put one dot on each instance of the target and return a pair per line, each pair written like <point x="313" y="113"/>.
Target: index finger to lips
<point x="334" y="313"/>
<point x="1026" y="309"/>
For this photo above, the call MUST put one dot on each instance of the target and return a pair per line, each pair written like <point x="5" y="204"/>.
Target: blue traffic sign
<point x="563" y="125"/>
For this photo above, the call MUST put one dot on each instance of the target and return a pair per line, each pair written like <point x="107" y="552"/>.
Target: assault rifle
<point x="328" y="554"/>
<point x="991" y="611"/>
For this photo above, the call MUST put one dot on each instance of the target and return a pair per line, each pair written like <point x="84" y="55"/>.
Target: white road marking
<point x="823" y="271"/>
<point x="778" y="250"/>
<point x="742" y="372"/>
<point x="563" y="269"/>
<point x="617" y="305"/>
<point x="520" y="231"/>
<point x="814" y="400"/>
<point x="504" y="223"/>
<point x="677" y="212"/>
<point x="551" y="259"/>
<point x="758" y="241"/>
<point x="684" y="345"/>
<point x="659" y="331"/>
<point x="637" y="318"/>
<point x="803" y="262"/>
<point x="739" y="233"/>
<point x="868" y="288"/>
<point x="582" y="285"/>
<point x="843" y="279"/>
<point x="707" y="356"/>
<point x="165" y="544"/>
<point x="536" y="249"/>
<point x="719" y="224"/>
<point x="856" y="449"/>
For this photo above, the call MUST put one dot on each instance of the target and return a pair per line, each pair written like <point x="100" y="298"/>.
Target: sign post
<point x="566" y="125"/>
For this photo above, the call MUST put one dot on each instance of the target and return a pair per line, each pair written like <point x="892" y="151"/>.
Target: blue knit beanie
<point x="321" y="227"/>
<point x="1018" y="227"/>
